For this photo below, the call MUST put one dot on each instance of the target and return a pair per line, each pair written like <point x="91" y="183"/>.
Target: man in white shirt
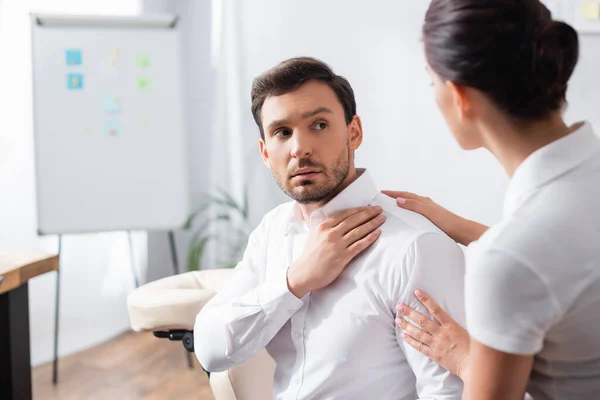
<point x="320" y="279"/>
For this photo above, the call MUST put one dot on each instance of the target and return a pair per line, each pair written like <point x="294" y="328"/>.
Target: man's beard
<point x="312" y="192"/>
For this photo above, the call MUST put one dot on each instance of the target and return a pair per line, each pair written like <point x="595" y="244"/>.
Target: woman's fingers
<point x="419" y="319"/>
<point x="419" y="346"/>
<point x="410" y="201"/>
<point x="434" y="308"/>
<point x="413" y="331"/>
<point x="414" y="205"/>
<point x="404" y="195"/>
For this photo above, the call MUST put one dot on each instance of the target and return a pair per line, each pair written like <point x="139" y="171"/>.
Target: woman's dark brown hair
<point x="511" y="50"/>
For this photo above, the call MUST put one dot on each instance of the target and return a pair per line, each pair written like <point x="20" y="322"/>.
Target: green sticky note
<point x="142" y="60"/>
<point x="144" y="84"/>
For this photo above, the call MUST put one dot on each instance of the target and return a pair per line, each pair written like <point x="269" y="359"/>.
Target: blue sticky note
<point x="74" y="81"/>
<point x="73" y="57"/>
<point x="112" y="104"/>
<point x="112" y="127"/>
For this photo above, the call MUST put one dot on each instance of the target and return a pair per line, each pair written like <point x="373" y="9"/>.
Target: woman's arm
<point x="460" y="229"/>
<point x="495" y="375"/>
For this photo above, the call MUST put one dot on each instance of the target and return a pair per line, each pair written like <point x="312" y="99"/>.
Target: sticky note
<point x="144" y="84"/>
<point x="116" y="51"/>
<point x="142" y="60"/>
<point x="590" y="10"/>
<point x="112" y="104"/>
<point x="73" y="57"/>
<point x="74" y="81"/>
<point x="112" y="127"/>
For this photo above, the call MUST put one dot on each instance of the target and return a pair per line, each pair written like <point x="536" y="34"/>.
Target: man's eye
<point x="320" y="126"/>
<point x="283" y="132"/>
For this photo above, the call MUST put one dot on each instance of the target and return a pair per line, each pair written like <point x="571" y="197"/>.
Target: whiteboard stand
<point x="173" y="249"/>
<point x="57" y="297"/>
<point x="56" y="303"/>
<point x="132" y="262"/>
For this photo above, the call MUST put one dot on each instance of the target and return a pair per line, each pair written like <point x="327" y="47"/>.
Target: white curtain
<point x="226" y="164"/>
<point x="227" y="155"/>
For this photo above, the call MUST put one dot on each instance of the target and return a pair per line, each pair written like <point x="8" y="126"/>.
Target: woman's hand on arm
<point x="460" y="229"/>
<point x="488" y="374"/>
<point x="442" y="340"/>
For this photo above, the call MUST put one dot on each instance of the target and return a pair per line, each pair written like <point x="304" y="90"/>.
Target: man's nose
<point x="301" y="145"/>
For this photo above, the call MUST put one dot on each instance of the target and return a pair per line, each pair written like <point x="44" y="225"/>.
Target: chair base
<point x="187" y="337"/>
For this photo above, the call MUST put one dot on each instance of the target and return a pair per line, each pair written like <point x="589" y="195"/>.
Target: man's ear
<point x="461" y="100"/>
<point x="355" y="133"/>
<point x="264" y="153"/>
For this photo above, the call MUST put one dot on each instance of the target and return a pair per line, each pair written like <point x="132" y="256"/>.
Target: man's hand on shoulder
<point x="331" y="247"/>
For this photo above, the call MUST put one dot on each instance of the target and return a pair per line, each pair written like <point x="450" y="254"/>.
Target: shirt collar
<point x="359" y="193"/>
<point x="548" y="163"/>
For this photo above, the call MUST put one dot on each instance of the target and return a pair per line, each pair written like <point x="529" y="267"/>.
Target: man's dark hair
<point x="290" y="74"/>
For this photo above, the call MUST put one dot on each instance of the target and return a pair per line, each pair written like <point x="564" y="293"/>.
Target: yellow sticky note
<point x="591" y="10"/>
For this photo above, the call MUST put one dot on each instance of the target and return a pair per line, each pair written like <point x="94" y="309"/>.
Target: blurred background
<point x="224" y="44"/>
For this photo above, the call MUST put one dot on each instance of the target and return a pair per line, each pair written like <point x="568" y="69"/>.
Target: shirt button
<point x="297" y="335"/>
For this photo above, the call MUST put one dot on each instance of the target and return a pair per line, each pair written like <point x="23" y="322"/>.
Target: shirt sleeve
<point x="435" y="264"/>
<point x="509" y="308"/>
<point x="246" y="314"/>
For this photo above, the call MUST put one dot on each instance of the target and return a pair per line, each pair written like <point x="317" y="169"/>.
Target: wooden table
<point x="16" y="268"/>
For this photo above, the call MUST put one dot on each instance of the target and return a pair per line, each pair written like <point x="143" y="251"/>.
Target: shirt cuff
<point x="276" y="298"/>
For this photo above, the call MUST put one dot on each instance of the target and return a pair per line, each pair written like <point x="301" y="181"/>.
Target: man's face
<point x="307" y="144"/>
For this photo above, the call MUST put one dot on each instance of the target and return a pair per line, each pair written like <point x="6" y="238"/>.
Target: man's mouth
<point x="305" y="173"/>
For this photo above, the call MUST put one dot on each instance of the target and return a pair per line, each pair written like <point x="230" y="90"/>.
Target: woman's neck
<point x="512" y="144"/>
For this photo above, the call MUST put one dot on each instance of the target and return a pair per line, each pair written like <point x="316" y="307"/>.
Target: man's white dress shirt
<point x="533" y="280"/>
<point x="339" y="342"/>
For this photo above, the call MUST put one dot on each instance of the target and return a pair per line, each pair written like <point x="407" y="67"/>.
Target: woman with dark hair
<point x="500" y="70"/>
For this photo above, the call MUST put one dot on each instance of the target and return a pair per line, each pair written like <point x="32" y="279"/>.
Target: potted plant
<point x="223" y="220"/>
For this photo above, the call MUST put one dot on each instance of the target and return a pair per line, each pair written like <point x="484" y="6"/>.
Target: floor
<point x="131" y="366"/>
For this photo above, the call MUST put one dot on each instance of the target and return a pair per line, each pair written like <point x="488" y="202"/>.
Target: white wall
<point x="95" y="269"/>
<point x="377" y="46"/>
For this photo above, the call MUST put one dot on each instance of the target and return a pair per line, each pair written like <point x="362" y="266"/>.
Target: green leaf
<point x="245" y="210"/>
<point x="223" y="217"/>
<point x="231" y="202"/>
<point x="196" y="251"/>
<point x="190" y="221"/>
